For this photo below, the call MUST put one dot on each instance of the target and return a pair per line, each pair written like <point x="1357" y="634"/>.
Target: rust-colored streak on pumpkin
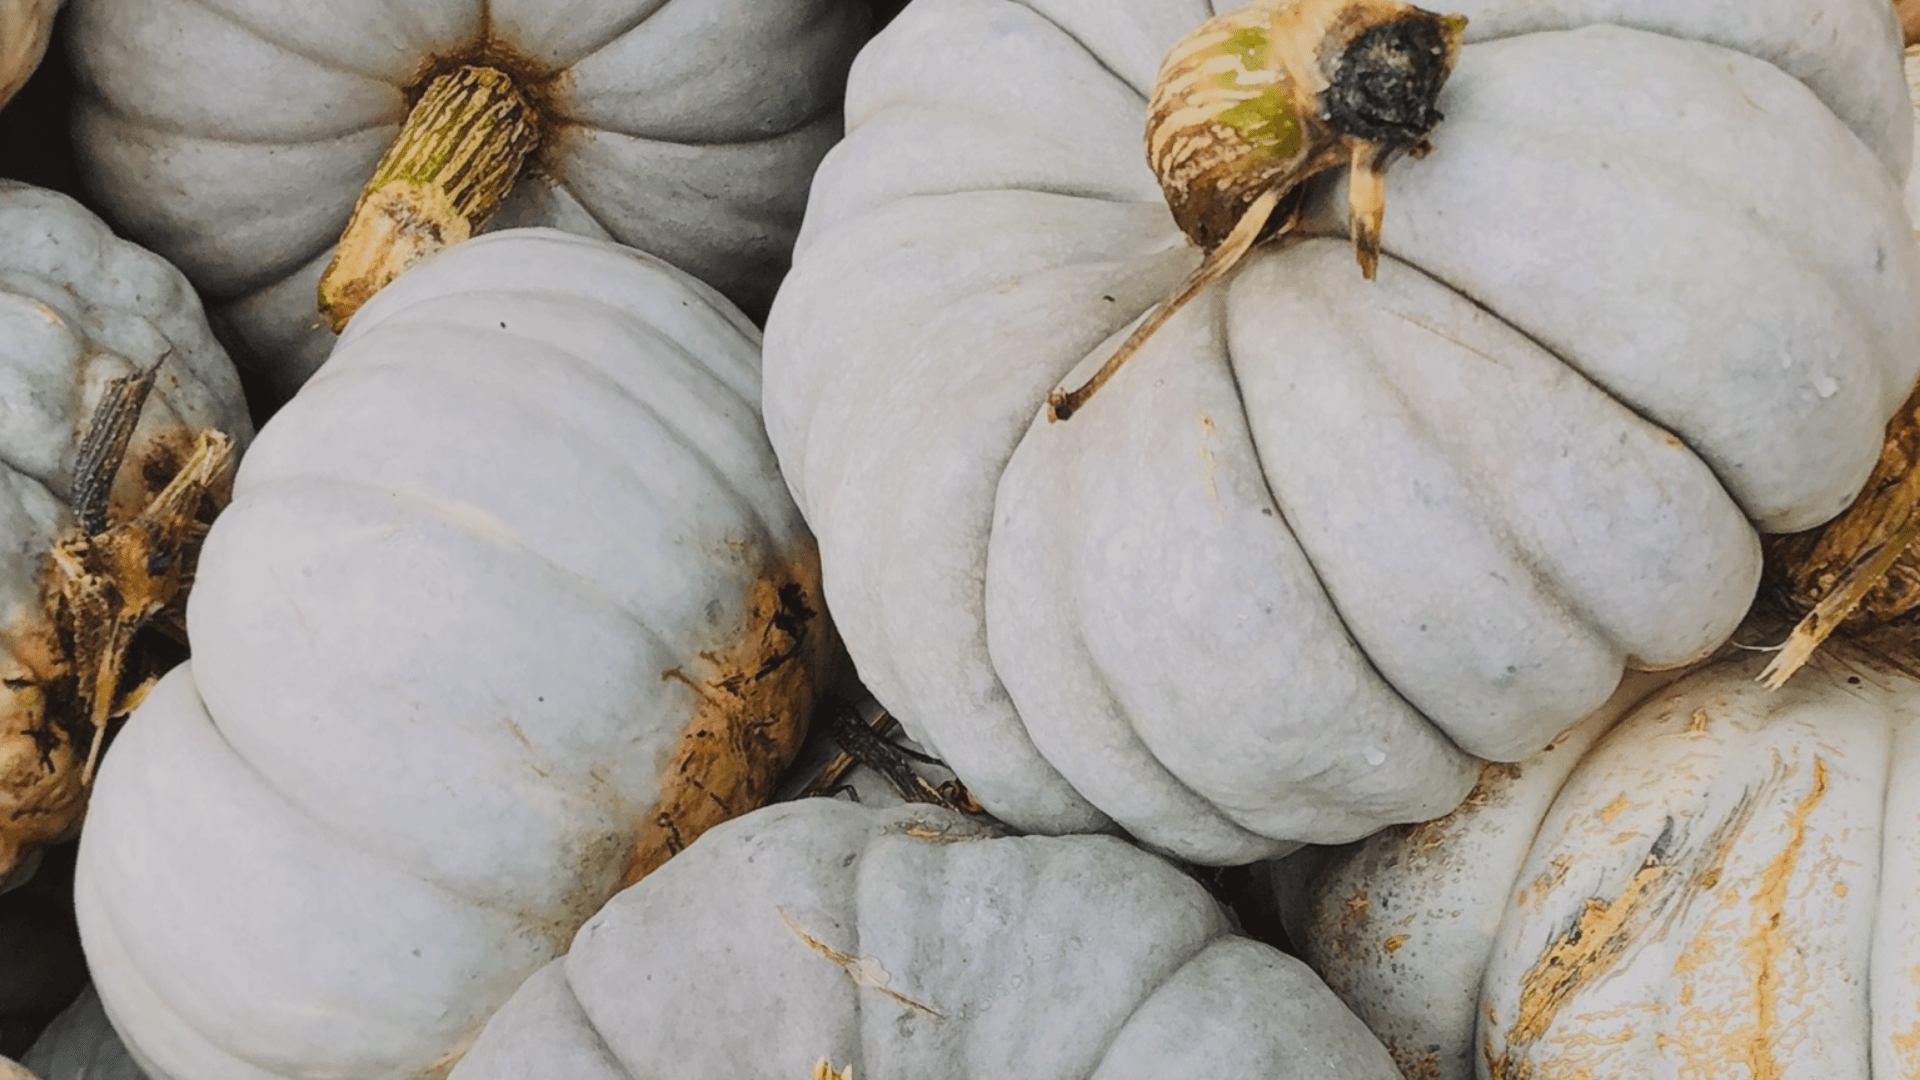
<point x="1909" y="12"/>
<point x="1608" y="930"/>
<point x="752" y="703"/>
<point x="1768" y="945"/>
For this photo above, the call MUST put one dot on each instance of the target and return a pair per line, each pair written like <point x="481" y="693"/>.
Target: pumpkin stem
<point x="1062" y="404"/>
<point x="454" y="161"/>
<point x="1366" y="204"/>
<point x="1861" y="565"/>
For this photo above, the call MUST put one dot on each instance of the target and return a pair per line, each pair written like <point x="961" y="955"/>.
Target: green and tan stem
<point x="453" y="163"/>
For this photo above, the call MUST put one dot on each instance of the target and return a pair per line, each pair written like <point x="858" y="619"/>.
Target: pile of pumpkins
<point x="449" y="450"/>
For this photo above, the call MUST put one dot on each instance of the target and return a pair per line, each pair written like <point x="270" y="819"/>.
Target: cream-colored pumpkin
<point x="25" y="27"/>
<point x="1718" y="885"/>
<point x="79" y="308"/>
<point x="510" y="604"/>
<point x="1326" y="541"/>
<point x="233" y="136"/>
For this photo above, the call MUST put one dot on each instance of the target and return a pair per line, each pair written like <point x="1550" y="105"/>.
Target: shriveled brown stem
<point x="840" y="764"/>
<point x="452" y="164"/>
<point x="1862" y="564"/>
<point x="112" y="582"/>
<point x="1062" y="404"/>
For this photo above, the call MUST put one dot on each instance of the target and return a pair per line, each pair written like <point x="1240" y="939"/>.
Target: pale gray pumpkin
<point x="510" y="604"/>
<point x="960" y="955"/>
<point x="1325" y="542"/>
<point x="1722" y="883"/>
<point x="79" y="308"/>
<point x="25" y="27"/>
<point x="233" y="136"/>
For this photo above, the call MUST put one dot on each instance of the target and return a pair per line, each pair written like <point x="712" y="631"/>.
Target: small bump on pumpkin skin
<point x="1254" y="103"/>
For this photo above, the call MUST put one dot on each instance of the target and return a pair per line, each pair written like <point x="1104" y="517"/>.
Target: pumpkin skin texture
<point x="511" y="606"/>
<point x="1714" y="886"/>
<point x="1324" y="542"/>
<point x="79" y="308"/>
<point x="234" y="136"/>
<point x="1035" y="957"/>
<point x="25" y="27"/>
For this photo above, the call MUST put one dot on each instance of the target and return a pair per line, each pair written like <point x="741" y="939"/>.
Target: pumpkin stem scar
<point x="1861" y="561"/>
<point x="1062" y="404"/>
<point x="864" y="971"/>
<point x="454" y="161"/>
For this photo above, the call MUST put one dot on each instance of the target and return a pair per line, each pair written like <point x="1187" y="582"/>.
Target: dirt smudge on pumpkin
<point x="752" y="701"/>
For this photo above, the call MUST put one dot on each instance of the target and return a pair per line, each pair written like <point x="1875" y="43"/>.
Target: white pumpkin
<point x="912" y="942"/>
<point x="233" y="136"/>
<point x="25" y="27"/>
<point x="1325" y="541"/>
<point x="509" y="605"/>
<point x="79" y="308"/>
<point x="1717" y="885"/>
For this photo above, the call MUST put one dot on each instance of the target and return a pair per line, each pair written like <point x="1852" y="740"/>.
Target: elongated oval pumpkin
<point x="1720" y="884"/>
<point x="235" y="136"/>
<point x="510" y="604"/>
<point x="818" y="936"/>
<point x="1325" y="542"/>
<point x="79" y="310"/>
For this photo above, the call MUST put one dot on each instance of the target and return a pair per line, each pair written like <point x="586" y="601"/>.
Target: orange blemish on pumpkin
<point x="1768" y="944"/>
<point x="1698" y="723"/>
<point x="1393" y="944"/>
<point x="1614" y="809"/>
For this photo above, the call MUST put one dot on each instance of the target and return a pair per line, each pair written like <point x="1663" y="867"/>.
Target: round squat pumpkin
<point x="510" y="604"/>
<point x="1325" y="543"/>
<point x="1718" y="884"/>
<point x="235" y="136"/>
<point x="118" y="412"/>
<point x="857" y="942"/>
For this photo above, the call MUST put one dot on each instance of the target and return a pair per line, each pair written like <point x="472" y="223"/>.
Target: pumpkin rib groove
<point x="329" y="63"/>
<point x="1102" y="61"/>
<point x="725" y="484"/>
<point x="167" y="127"/>
<point x="452" y="516"/>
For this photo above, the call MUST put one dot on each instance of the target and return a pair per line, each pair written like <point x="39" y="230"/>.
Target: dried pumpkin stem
<point x="1062" y="404"/>
<point x="104" y="447"/>
<point x="453" y="163"/>
<point x="1861" y="567"/>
